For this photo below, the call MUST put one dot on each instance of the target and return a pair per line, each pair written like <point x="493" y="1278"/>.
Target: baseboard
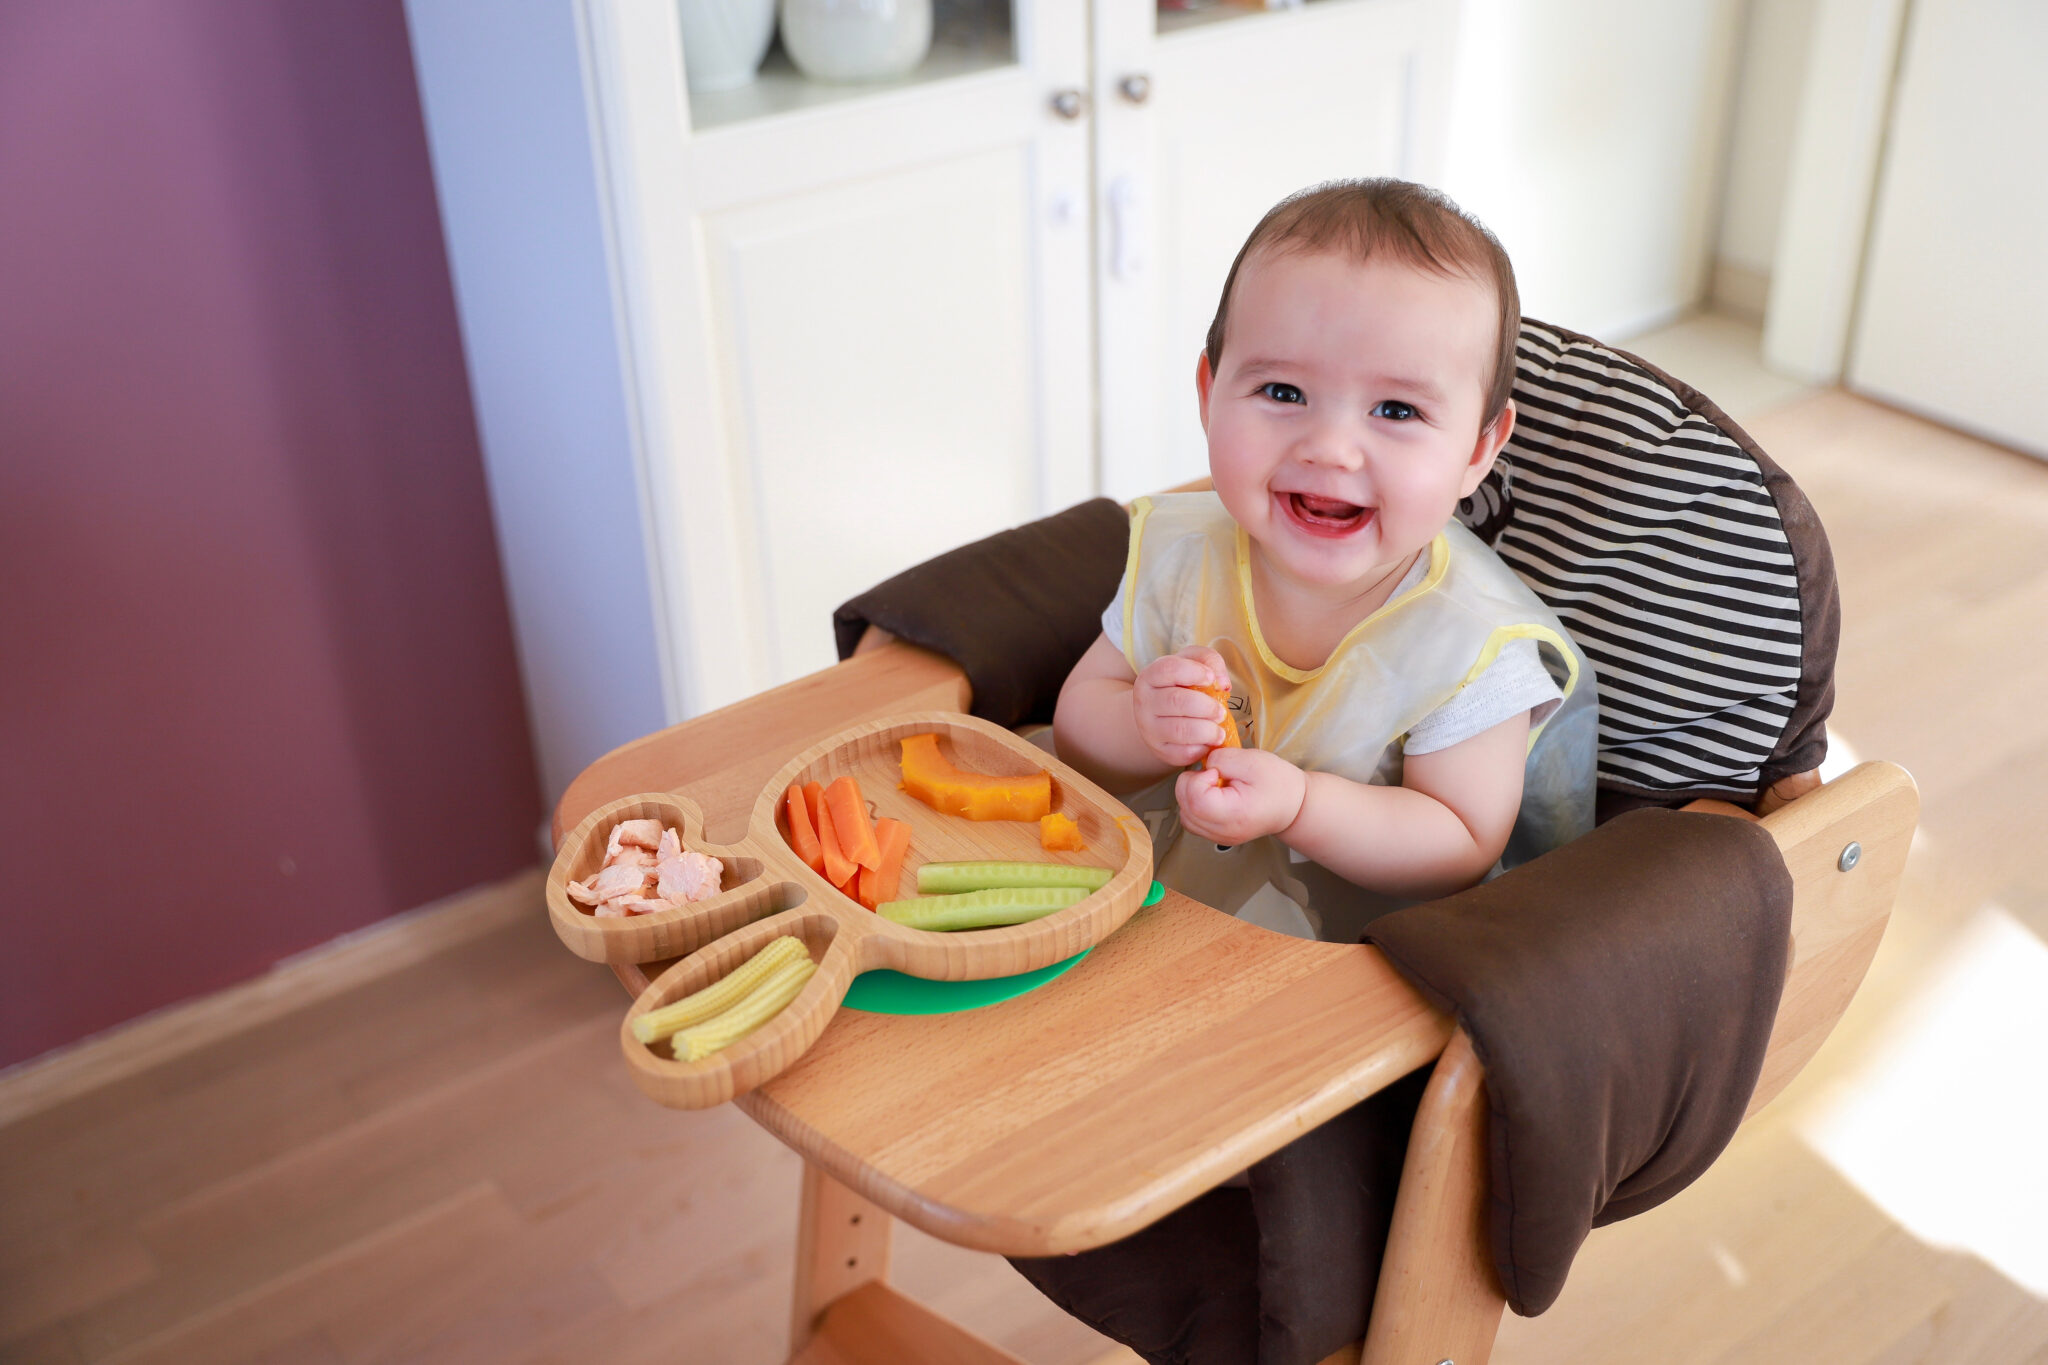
<point x="1739" y="290"/>
<point x="294" y="983"/>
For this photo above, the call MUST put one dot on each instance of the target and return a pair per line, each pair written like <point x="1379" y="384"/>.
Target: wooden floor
<point x="448" y="1164"/>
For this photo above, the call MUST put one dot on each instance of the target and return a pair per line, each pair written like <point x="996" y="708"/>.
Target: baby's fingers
<point x="1210" y="661"/>
<point x="1177" y="670"/>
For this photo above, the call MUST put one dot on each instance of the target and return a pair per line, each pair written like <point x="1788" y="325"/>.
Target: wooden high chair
<point x="1183" y="1049"/>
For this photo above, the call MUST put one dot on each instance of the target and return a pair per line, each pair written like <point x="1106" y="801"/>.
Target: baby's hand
<point x="1177" y="724"/>
<point x="1239" y="795"/>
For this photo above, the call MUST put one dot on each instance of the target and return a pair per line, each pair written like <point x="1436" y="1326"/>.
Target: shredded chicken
<point x="647" y="869"/>
<point x="688" y="877"/>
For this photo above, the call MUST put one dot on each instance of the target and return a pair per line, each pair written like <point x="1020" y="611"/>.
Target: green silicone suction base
<point x="886" y="992"/>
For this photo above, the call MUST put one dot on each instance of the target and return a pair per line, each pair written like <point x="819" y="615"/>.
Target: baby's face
<point x="1344" y="419"/>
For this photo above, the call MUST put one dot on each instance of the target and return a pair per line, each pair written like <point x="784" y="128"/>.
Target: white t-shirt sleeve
<point x="1113" y="617"/>
<point x="1516" y="681"/>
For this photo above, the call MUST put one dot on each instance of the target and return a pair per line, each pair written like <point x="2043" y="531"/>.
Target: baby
<point x="1387" y="673"/>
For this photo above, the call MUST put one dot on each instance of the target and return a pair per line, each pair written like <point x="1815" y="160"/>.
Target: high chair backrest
<point x="1684" y="561"/>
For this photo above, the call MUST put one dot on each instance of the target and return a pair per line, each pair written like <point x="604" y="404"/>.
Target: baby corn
<point x="721" y="995"/>
<point x="781" y="987"/>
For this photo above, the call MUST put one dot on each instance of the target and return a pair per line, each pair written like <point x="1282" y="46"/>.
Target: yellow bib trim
<point x="1525" y="631"/>
<point x="1439" y="563"/>
<point x="1141" y="511"/>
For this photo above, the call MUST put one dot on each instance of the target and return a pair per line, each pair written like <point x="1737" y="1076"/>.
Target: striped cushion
<point x="1650" y="529"/>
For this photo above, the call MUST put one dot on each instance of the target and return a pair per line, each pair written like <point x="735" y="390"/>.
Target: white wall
<point x="1590" y="136"/>
<point x="509" y="133"/>
<point x="1765" y="113"/>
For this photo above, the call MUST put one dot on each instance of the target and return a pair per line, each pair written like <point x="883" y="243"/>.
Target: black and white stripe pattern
<point x="1649" y="531"/>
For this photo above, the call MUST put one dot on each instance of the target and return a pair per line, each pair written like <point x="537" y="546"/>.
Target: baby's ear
<point x="1487" y="449"/>
<point x="1203" y="381"/>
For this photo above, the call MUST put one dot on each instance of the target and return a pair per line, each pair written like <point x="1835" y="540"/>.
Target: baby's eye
<point x="1282" y="393"/>
<point x="1395" y="410"/>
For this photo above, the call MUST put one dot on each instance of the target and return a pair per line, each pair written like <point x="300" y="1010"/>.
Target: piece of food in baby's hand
<point x="928" y="776"/>
<point x="722" y="994"/>
<point x="1059" y="833"/>
<point x="1221" y="696"/>
<point x="945" y="879"/>
<point x="981" y="909"/>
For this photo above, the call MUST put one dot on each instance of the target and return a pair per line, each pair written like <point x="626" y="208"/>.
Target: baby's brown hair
<point x="1419" y="225"/>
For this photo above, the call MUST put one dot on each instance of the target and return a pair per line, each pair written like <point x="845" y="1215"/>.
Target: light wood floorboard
<point x="447" y="1162"/>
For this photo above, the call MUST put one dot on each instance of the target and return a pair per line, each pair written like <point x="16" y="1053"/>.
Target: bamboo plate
<point x="769" y="891"/>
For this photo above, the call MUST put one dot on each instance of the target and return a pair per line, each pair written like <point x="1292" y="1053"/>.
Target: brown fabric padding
<point x="1620" y="992"/>
<point x="1279" y="1273"/>
<point x="1183" y="1291"/>
<point x="1016" y="611"/>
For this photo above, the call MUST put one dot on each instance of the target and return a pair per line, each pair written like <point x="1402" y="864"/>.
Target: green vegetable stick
<point x="981" y="909"/>
<point x="943" y="879"/>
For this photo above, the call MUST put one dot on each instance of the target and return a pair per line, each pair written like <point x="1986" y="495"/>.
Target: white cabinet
<point x="1241" y="108"/>
<point x="1953" y="293"/>
<point x="859" y="326"/>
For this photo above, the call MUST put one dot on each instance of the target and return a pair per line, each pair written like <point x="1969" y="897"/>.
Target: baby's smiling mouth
<point x="1325" y="516"/>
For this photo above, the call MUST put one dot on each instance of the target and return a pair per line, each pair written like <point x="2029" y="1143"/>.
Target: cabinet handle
<point x="1136" y="87"/>
<point x="1069" y="104"/>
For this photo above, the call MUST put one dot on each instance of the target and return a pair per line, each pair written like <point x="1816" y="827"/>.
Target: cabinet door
<point x="1240" y="109"/>
<point x="1949" y="322"/>
<point x="860" y="326"/>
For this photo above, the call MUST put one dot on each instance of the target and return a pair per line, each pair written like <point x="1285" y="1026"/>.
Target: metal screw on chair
<point x="1069" y="104"/>
<point x="1136" y="87"/>
<point x="1851" y="856"/>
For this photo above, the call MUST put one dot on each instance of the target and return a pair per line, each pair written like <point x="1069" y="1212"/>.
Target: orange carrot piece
<point x="893" y="837"/>
<point x="864" y="886"/>
<point x="850" y="819"/>
<point x="802" y="837"/>
<point x="839" y="868"/>
<point x="1221" y="696"/>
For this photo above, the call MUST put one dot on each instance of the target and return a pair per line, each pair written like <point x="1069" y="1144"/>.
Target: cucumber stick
<point x="981" y="909"/>
<point x="947" y="879"/>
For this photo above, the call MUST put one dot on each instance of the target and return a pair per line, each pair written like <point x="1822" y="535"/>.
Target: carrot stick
<point x="838" y="867"/>
<point x="894" y="838"/>
<point x="864" y="886"/>
<point x="850" y="819"/>
<point x="802" y="837"/>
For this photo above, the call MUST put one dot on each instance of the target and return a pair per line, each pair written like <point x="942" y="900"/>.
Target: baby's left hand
<point x="1263" y="795"/>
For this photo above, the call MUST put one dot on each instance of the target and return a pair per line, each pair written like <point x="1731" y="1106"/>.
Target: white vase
<point x="856" y="40"/>
<point x="724" y="41"/>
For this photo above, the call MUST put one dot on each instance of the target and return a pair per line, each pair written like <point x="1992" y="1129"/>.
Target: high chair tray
<point x="1186" y="1046"/>
<point x="768" y="892"/>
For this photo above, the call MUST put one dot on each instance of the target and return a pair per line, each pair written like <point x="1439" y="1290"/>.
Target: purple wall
<point x="257" y="685"/>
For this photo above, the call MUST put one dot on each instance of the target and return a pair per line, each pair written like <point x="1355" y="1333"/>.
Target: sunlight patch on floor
<point x="1940" y="1123"/>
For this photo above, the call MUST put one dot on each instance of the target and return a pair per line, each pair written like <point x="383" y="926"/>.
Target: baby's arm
<point x="1127" y="730"/>
<point x="1438" y="832"/>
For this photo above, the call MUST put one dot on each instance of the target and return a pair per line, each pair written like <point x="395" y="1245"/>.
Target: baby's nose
<point x="1337" y="444"/>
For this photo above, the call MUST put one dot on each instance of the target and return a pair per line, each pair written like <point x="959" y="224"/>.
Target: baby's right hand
<point x="1179" y="725"/>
